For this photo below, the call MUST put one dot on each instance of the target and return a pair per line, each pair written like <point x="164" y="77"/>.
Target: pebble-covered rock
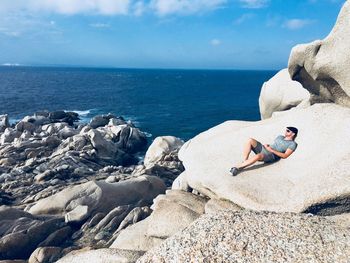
<point x="255" y="237"/>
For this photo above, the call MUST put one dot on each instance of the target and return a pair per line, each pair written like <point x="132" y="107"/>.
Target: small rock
<point x="98" y="121"/>
<point x="78" y="214"/>
<point x="45" y="255"/>
<point x="4" y="122"/>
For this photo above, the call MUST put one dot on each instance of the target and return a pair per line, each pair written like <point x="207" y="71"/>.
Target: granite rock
<point x="281" y="93"/>
<point x="100" y="196"/>
<point x="103" y="255"/>
<point x="313" y="179"/>
<point x="255" y="237"/>
<point x="322" y="66"/>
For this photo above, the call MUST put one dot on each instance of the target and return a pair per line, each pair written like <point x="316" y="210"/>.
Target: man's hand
<point x="279" y="154"/>
<point x="267" y="146"/>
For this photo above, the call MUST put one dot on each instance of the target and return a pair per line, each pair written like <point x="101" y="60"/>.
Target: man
<point x="282" y="147"/>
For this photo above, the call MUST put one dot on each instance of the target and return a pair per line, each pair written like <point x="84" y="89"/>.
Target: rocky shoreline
<point x="76" y="193"/>
<point x="50" y="165"/>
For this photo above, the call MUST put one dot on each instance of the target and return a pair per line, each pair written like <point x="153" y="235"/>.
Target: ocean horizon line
<point x="18" y="65"/>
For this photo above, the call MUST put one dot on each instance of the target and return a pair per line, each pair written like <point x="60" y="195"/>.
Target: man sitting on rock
<point x="282" y="147"/>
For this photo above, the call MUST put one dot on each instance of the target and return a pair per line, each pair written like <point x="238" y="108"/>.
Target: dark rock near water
<point x="4" y="122"/>
<point x="45" y="255"/>
<point x="99" y="121"/>
<point x="22" y="232"/>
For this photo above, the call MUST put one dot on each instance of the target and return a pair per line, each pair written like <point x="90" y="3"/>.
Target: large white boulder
<point x="314" y="179"/>
<point x="161" y="147"/>
<point x="162" y="159"/>
<point x="172" y="212"/>
<point x="281" y="93"/>
<point x="100" y="196"/>
<point x="322" y="67"/>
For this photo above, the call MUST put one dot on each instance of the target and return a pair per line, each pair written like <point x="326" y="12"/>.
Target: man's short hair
<point x="293" y="130"/>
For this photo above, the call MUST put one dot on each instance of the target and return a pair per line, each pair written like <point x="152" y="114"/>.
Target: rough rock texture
<point x="342" y="220"/>
<point x="313" y="179"/>
<point x="46" y="152"/>
<point x="213" y="206"/>
<point x="101" y="256"/>
<point x="135" y="237"/>
<point x="255" y="237"/>
<point x="21" y="232"/>
<point x="281" y="93"/>
<point x="101" y="196"/>
<point x="172" y="213"/>
<point x="162" y="160"/>
<point x="101" y="209"/>
<point x="322" y="66"/>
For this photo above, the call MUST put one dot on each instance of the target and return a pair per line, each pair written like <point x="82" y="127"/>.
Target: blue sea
<point x="181" y="103"/>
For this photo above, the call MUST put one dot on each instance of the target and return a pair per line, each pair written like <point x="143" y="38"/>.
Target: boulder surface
<point x="281" y="93"/>
<point x="100" y="196"/>
<point x="313" y="179"/>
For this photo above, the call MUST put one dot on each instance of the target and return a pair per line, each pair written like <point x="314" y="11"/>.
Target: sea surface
<point x="181" y="103"/>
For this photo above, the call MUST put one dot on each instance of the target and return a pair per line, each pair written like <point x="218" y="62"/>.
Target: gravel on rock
<point x="255" y="237"/>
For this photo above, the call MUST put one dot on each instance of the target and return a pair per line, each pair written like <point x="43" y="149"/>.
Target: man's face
<point x="289" y="133"/>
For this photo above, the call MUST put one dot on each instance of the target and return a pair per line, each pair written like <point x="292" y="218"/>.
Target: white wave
<point x="13" y="121"/>
<point x="82" y="113"/>
<point x="148" y="135"/>
<point x="11" y="64"/>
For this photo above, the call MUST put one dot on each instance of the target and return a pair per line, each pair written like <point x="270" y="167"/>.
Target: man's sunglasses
<point x="288" y="130"/>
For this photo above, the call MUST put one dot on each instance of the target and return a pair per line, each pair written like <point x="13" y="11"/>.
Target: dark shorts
<point x="268" y="156"/>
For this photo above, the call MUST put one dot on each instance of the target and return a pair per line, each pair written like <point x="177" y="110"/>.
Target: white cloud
<point x="294" y="24"/>
<point x="20" y="24"/>
<point x="243" y="18"/>
<point x="100" y="25"/>
<point x="254" y="3"/>
<point x="9" y="32"/>
<point x="70" y="7"/>
<point x="139" y="8"/>
<point x="215" y="42"/>
<point x="168" y="7"/>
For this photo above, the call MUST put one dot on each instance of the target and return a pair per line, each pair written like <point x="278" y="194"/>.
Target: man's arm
<point x="279" y="154"/>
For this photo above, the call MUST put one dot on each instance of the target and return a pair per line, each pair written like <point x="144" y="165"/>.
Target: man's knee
<point x="260" y="156"/>
<point x="253" y="142"/>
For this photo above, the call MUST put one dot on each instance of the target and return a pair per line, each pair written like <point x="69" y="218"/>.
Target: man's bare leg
<point x="250" y="161"/>
<point x="250" y="144"/>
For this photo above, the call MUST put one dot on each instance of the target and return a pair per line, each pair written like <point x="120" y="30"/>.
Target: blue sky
<point x="214" y="34"/>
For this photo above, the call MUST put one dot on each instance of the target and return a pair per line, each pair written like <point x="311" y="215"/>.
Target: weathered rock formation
<point x="21" y="232"/>
<point x="44" y="153"/>
<point x="322" y="66"/>
<point x="162" y="160"/>
<point x="280" y="93"/>
<point x="313" y="179"/>
<point x="100" y="196"/>
<point x="171" y="213"/>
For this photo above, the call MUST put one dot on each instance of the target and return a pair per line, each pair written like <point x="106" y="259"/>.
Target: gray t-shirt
<point x="281" y="145"/>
